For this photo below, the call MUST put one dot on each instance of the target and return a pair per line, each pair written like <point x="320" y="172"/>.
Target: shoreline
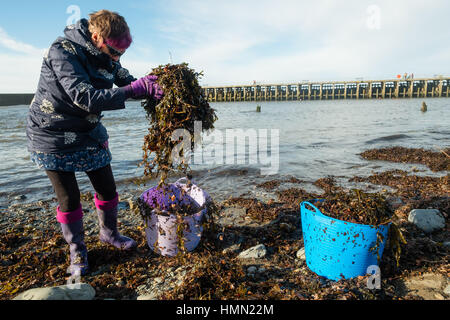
<point x="34" y="253"/>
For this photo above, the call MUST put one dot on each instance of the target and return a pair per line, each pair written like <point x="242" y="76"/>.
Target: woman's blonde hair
<point x="110" y="25"/>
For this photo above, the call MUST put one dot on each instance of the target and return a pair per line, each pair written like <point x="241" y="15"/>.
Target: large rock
<point x="428" y="220"/>
<point x="256" y="252"/>
<point x="79" y="291"/>
<point x="427" y="286"/>
<point x="301" y="254"/>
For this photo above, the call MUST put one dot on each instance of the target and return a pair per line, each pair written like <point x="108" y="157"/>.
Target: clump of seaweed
<point x="176" y="121"/>
<point x="406" y="185"/>
<point x="357" y="207"/>
<point x="183" y="104"/>
<point x="436" y="161"/>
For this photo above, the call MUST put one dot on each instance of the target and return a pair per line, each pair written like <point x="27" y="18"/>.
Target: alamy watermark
<point x="373" y="21"/>
<point x="75" y="14"/>
<point x="229" y="147"/>
<point x="374" y="281"/>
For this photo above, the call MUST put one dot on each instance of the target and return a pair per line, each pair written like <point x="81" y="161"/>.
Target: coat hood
<point x="79" y="33"/>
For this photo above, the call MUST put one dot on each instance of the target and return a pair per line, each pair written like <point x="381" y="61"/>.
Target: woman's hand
<point x="147" y="87"/>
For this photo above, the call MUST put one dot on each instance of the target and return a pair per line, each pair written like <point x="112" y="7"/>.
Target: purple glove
<point x="146" y="86"/>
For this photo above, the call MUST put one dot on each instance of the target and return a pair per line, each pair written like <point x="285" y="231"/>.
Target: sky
<point x="238" y="42"/>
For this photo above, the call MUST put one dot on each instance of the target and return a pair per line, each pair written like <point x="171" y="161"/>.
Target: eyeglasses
<point x="114" y="52"/>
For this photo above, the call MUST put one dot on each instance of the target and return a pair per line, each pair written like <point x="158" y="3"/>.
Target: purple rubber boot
<point x="73" y="232"/>
<point x="107" y="217"/>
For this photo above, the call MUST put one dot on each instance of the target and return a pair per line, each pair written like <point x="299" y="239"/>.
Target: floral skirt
<point x="88" y="160"/>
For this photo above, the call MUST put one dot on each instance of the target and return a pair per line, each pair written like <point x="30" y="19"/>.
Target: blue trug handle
<point x="302" y="204"/>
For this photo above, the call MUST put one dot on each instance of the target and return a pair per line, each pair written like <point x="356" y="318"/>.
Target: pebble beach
<point x="251" y="249"/>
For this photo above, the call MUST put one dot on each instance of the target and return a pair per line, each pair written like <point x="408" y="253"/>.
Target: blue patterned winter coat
<point x="75" y="86"/>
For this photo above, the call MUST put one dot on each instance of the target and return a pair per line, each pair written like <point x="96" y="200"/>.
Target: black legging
<point x="67" y="191"/>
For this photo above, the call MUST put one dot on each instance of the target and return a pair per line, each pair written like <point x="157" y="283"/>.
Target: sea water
<point x="308" y="139"/>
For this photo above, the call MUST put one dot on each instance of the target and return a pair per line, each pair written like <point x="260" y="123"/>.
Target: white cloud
<point x="137" y="67"/>
<point x="21" y="67"/>
<point x="19" y="73"/>
<point x="236" y="42"/>
<point x="17" y="46"/>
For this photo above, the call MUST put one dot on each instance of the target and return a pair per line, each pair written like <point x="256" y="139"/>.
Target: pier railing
<point x="373" y="89"/>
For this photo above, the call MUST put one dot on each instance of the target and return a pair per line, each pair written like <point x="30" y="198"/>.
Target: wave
<point x="392" y="137"/>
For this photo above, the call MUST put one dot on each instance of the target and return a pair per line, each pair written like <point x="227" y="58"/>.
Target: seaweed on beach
<point x="257" y="210"/>
<point x="422" y="191"/>
<point x="213" y="277"/>
<point x="294" y="196"/>
<point x="182" y="105"/>
<point x="269" y="185"/>
<point x="273" y="184"/>
<point x="328" y="184"/>
<point x="31" y="258"/>
<point x="436" y="161"/>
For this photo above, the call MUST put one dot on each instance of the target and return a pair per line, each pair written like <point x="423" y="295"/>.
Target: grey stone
<point x="257" y="252"/>
<point x="426" y="285"/>
<point x="233" y="249"/>
<point x="123" y="205"/>
<point x="395" y="202"/>
<point x="120" y="283"/>
<point x="141" y="287"/>
<point x="447" y="290"/>
<point x="231" y="216"/>
<point x="149" y="296"/>
<point x="78" y="291"/>
<point x="427" y="220"/>
<point x="439" y="296"/>
<point x="251" y="269"/>
<point x="446" y="244"/>
<point x="158" y="280"/>
<point x="301" y="254"/>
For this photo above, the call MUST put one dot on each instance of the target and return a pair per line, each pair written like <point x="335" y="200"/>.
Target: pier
<point x="370" y="89"/>
<point x="15" y="99"/>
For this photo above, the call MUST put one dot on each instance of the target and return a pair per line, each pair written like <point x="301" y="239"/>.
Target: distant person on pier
<point x="64" y="130"/>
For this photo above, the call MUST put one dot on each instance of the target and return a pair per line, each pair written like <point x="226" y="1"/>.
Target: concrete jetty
<point x="373" y="89"/>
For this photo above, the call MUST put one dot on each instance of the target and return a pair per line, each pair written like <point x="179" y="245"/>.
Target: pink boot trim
<point x="69" y="217"/>
<point x="106" y="205"/>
